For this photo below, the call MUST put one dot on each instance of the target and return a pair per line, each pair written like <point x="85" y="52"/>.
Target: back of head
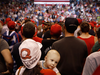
<point x="92" y="25"/>
<point x="30" y="53"/>
<point x="85" y="27"/>
<point x="7" y="20"/>
<point x="71" y="24"/>
<point x="27" y="20"/>
<point x="11" y="25"/>
<point x="28" y="30"/>
<point x="55" y="30"/>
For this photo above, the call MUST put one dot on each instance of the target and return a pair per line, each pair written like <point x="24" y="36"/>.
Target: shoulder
<point x="4" y="43"/>
<point x="95" y="56"/>
<point x="17" y="45"/>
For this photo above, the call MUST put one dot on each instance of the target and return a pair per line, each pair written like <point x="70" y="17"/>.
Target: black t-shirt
<point x="46" y="47"/>
<point x="47" y="35"/>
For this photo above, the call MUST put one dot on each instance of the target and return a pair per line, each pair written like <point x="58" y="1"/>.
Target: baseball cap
<point x="55" y="29"/>
<point x="71" y="24"/>
<point x="79" y="20"/>
<point x="48" y="72"/>
<point x="11" y="24"/>
<point x="30" y="53"/>
<point x="8" y="19"/>
<point x="91" y="24"/>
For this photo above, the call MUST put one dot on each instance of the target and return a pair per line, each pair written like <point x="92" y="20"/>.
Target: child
<point x="51" y="60"/>
<point x="30" y="53"/>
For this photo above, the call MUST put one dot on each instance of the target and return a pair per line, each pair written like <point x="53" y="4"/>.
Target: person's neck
<point x="44" y="64"/>
<point x="55" y="38"/>
<point x="24" y="38"/>
<point x="85" y="35"/>
<point x="69" y="34"/>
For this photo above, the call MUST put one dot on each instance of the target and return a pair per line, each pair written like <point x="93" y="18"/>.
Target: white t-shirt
<point x="20" y="70"/>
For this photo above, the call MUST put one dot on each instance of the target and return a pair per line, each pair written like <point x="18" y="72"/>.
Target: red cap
<point x="32" y="21"/>
<point x="8" y="19"/>
<point x="47" y="72"/>
<point x="19" y="24"/>
<point x="11" y="24"/>
<point x="91" y="24"/>
<point x="43" y="21"/>
<point x="55" y="29"/>
<point x="79" y="20"/>
<point x="25" y="18"/>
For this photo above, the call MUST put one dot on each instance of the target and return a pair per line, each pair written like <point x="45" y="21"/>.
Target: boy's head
<point x="11" y="25"/>
<point x="7" y="20"/>
<point x="28" y="30"/>
<point x="51" y="59"/>
<point x="55" y="30"/>
<point x="85" y="27"/>
<point x="30" y="53"/>
<point x="71" y="24"/>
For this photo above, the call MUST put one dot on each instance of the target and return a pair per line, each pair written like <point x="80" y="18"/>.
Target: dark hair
<point x="27" y="20"/>
<point x="85" y="27"/>
<point x="98" y="32"/>
<point x="11" y="28"/>
<point x="71" y="24"/>
<point x="34" y="71"/>
<point x="28" y="30"/>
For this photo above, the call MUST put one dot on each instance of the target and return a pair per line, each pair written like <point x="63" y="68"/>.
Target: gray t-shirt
<point x="3" y="45"/>
<point x="92" y="62"/>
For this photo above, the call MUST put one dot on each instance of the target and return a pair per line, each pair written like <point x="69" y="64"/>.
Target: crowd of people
<point x="55" y="39"/>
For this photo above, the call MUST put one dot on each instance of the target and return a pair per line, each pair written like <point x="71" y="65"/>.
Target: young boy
<point x="50" y="61"/>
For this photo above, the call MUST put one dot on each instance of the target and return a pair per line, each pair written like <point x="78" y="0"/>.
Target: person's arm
<point x="58" y="73"/>
<point x="89" y="66"/>
<point x="95" y="39"/>
<point x="8" y="59"/>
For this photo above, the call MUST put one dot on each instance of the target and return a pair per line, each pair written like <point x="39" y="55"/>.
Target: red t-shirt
<point x="89" y="42"/>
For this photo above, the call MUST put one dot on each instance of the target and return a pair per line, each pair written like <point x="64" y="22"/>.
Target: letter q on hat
<point x="30" y="53"/>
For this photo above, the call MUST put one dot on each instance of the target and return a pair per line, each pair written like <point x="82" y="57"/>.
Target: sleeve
<point x="17" y="72"/>
<point x="56" y="70"/>
<point x="3" y="45"/>
<point x="89" y="67"/>
<point x="20" y="70"/>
